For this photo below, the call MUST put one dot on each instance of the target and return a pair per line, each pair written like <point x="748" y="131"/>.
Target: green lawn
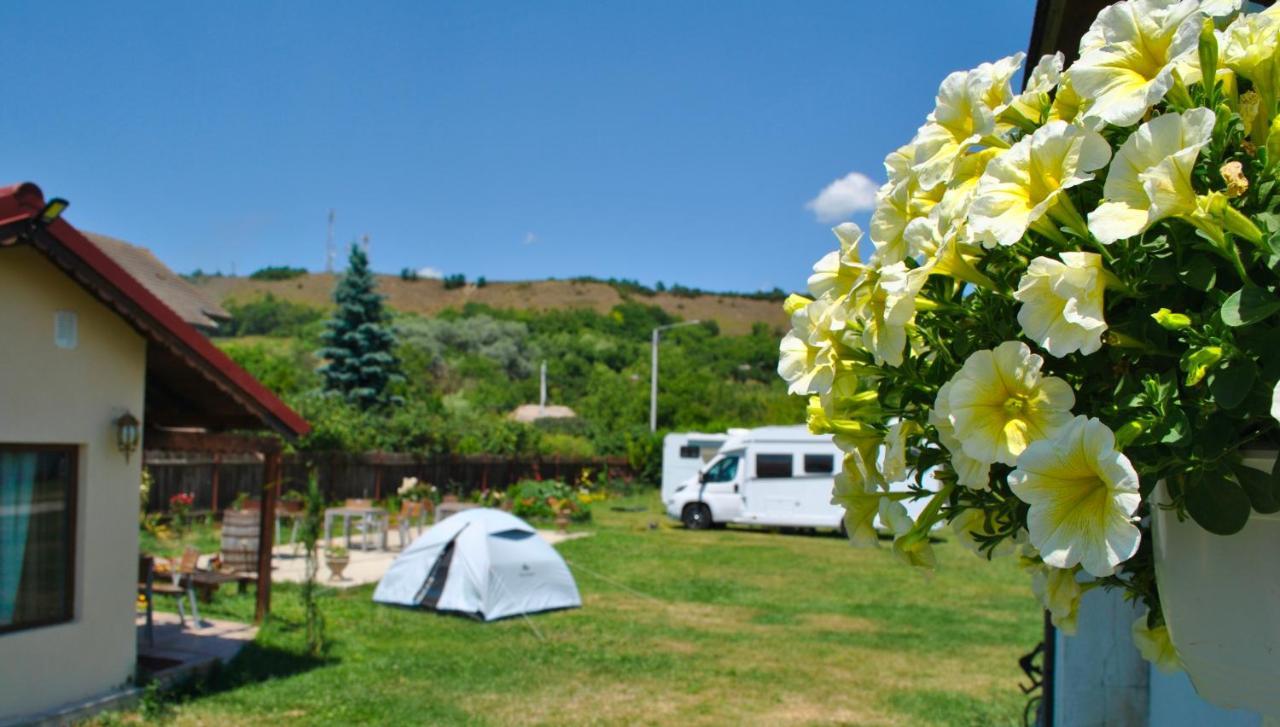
<point x="715" y="627"/>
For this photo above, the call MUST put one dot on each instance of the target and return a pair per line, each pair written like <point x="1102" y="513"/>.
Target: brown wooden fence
<point x="215" y="480"/>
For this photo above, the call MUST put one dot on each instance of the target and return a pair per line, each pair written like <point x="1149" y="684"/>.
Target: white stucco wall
<point x="58" y="396"/>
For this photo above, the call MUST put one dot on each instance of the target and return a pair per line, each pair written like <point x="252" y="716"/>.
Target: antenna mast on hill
<point x="364" y="242"/>
<point x="329" y="252"/>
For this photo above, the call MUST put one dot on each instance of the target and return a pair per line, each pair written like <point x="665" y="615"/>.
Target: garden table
<point x="367" y="516"/>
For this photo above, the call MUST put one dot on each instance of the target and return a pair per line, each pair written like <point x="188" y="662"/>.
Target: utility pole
<point x="653" y="380"/>
<point x="542" y="398"/>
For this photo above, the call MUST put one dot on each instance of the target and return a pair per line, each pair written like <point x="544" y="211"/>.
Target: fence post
<point x="213" y="503"/>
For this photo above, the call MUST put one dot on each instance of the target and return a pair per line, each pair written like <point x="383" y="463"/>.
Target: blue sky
<point x="673" y="141"/>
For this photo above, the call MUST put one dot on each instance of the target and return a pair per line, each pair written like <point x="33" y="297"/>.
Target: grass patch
<point x="712" y="627"/>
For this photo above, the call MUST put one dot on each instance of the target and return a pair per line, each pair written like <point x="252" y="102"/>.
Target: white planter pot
<point x="1221" y="601"/>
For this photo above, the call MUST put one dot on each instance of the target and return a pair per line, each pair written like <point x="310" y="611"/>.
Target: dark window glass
<point x="772" y="466"/>
<point x="819" y="463"/>
<point x="723" y="471"/>
<point x="690" y="452"/>
<point x="37" y="525"/>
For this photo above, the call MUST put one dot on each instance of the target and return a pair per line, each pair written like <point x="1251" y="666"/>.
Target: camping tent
<point x="480" y="562"/>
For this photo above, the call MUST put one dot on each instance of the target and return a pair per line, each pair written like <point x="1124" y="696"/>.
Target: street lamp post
<point x="653" y="379"/>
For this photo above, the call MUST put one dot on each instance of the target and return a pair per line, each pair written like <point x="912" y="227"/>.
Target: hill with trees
<point x="734" y="313"/>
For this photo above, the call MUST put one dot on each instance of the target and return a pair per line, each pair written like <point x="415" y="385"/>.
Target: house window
<point x="773" y="466"/>
<point x="819" y="464"/>
<point x="690" y="452"/>
<point x="37" y="535"/>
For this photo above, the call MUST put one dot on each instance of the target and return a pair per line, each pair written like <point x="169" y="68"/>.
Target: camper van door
<point x="722" y="486"/>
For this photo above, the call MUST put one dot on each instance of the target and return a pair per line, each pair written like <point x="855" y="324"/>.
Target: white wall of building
<point x="50" y="395"/>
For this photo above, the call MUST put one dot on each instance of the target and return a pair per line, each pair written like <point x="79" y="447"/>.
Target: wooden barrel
<point x="240" y="539"/>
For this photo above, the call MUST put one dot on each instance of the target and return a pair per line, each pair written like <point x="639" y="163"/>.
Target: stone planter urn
<point x="337" y="563"/>
<point x="562" y="522"/>
<point x="1221" y="601"/>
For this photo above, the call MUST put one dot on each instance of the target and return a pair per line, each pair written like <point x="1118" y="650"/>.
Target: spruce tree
<point x="358" y="340"/>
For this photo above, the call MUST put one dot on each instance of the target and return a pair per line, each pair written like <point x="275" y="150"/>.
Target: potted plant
<point x="336" y="558"/>
<point x="1068" y="315"/>
<point x="292" y="502"/>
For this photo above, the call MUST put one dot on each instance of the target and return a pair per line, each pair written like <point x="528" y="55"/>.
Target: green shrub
<point x="457" y="280"/>
<point x="277" y="272"/>
<point x="569" y="446"/>
<point x="269" y="316"/>
<point x="538" y="499"/>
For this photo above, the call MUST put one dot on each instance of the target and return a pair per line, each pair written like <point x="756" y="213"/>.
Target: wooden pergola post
<point x="267" y="532"/>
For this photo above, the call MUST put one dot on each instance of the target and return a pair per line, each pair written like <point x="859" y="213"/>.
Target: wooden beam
<point x="266" y="533"/>
<point x="168" y="440"/>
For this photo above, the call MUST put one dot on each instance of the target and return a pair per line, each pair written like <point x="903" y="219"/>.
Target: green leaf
<point x="1232" y="381"/>
<point x="1199" y="273"/>
<point x="1263" y="489"/>
<point x="1217" y="502"/>
<point x="1248" y="306"/>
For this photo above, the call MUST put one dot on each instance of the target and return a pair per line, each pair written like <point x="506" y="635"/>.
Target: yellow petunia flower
<point x="999" y="403"/>
<point x="1062" y="303"/>
<point x="839" y="270"/>
<point x="1059" y="593"/>
<point x="967" y="105"/>
<point x="887" y="309"/>
<point x="1027" y="183"/>
<point x="1082" y="494"/>
<point x="898" y="202"/>
<point x="1155" y="646"/>
<point x="970" y="472"/>
<point x="1127" y="57"/>
<point x="1150" y="177"/>
<point x="807" y="360"/>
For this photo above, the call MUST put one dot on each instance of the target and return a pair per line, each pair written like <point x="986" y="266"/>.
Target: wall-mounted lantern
<point x="128" y="434"/>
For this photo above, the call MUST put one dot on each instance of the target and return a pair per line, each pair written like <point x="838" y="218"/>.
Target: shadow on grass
<point x="255" y="663"/>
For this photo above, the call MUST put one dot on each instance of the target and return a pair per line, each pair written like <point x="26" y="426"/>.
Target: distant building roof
<point x="189" y="382"/>
<point x="532" y="412"/>
<point x="186" y="300"/>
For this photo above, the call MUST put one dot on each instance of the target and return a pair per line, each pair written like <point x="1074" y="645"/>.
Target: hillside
<point x="734" y="314"/>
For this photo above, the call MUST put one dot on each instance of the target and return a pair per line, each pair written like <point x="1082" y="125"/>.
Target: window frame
<point x="690" y="451"/>
<point x="791" y="465"/>
<point x="829" y="463"/>
<point x="73" y="528"/>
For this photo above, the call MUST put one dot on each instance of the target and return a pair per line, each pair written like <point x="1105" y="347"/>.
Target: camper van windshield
<point x="722" y="471"/>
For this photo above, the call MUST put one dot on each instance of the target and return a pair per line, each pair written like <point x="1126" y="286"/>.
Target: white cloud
<point x="530" y="238"/>
<point x="854" y="192"/>
<point x="430" y="273"/>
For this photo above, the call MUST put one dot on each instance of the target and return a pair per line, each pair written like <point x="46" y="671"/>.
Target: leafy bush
<point x="270" y="316"/>
<point x="538" y="499"/>
<point x="408" y="274"/>
<point x="277" y="272"/>
<point x="457" y="280"/>
<point x="568" y="446"/>
<point x="287" y="368"/>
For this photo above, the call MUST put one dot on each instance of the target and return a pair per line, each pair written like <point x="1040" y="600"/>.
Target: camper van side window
<point x="690" y="452"/>
<point x="723" y="471"/>
<point x="773" y="466"/>
<point x="819" y="464"/>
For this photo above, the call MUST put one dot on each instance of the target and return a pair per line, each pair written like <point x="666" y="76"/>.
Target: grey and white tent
<point x="480" y="562"/>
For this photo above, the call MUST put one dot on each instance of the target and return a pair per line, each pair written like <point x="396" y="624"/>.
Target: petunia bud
<point x="795" y="302"/>
<point x="1198" y="362"/>
<point x="1127" y="433"/>
<point x="1171" y="321"/>
<point x="1273" y="143"/>
<point x="1208" y="54"/>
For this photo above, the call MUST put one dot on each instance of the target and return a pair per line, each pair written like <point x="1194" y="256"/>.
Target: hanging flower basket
<point x="1071" y="295"/>
<point x="1221" y="599"/>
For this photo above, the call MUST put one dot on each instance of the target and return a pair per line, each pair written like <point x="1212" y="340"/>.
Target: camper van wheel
<point x="696" y="516"/>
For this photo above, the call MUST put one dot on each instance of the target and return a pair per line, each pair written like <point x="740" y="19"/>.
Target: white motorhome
<point x="776" y="476"/>
<point x="684" y="454"/>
